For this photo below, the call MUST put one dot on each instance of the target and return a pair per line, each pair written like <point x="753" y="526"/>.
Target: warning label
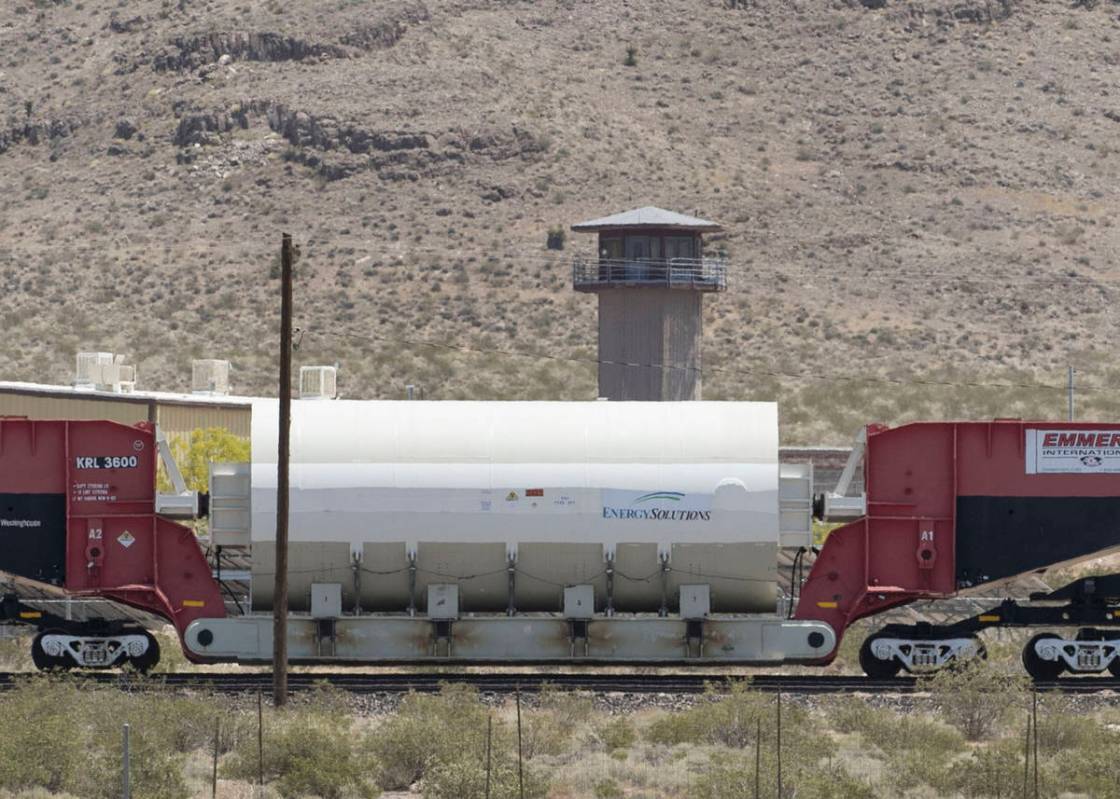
<point x="92" y="492"/>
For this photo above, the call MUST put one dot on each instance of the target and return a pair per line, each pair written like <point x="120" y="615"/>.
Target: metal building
<point x="176" y="414"/>
<point x="651" y="276"/>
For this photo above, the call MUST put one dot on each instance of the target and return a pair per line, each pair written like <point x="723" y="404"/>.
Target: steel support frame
<point x="1090" y="601"/>
<point x="14" y="611"/>
<point x="528" y="638"/>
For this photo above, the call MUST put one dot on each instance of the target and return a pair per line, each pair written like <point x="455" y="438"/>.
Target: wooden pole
<point x="280" y="591"/>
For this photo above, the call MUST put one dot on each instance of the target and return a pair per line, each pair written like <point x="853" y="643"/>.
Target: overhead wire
<point x="734" y="267"/>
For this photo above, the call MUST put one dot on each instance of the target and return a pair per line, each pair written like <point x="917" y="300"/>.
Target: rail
<point x="503" y="683"/>
<point x="704" y="274"/>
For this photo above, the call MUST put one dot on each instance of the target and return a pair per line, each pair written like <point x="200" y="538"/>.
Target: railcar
<point x="582" y="532"/>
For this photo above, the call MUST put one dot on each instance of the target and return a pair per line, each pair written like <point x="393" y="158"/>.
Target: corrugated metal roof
<point x="164" y="397"/>
<point x="648" y="216"/>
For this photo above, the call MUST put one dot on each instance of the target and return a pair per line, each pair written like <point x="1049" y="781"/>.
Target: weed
<point x="617" y="734"/>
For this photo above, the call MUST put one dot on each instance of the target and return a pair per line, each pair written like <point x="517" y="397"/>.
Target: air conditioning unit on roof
<point x="210" y="376"/>
<point x="89" y="368"/>
<point x="318" y="382"/>
<point x="104" y="371"/>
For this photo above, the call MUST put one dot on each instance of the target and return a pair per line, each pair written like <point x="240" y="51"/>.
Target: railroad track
<point x="224" y="682"/>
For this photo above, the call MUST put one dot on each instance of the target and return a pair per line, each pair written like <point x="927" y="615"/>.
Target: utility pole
<point x="280" y="592"/>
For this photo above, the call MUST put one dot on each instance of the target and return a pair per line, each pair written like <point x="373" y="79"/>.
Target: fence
<point x="980" y="734"/>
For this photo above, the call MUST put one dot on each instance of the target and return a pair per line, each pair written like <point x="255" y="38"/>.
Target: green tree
<point x="194" y="455"/>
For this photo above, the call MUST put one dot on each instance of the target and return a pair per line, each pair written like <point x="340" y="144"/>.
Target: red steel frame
<point x="116" y="545"/>
<point x="904" y="548"/>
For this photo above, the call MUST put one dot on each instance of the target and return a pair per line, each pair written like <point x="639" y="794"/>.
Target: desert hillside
<point x="919" y="196"/>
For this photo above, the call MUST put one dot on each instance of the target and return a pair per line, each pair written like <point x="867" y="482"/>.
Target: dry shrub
<point x="977" y="696"/>
<point x="426" y="731"/>
<point x="550" y="728"/>
<point x="63" y="736"/>
<point x="731" y="775"/>
<point x="730" y="719"/>
<point x="310" y="749"/>
<point x="440" y="741"/>
<point x="617" y="734"/>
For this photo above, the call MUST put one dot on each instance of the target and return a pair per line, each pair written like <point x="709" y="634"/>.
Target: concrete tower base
<point x="658" y="328"/>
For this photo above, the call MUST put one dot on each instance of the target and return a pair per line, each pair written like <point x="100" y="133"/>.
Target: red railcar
<point x="79" y="513"/>
<point x="952" y="506"/>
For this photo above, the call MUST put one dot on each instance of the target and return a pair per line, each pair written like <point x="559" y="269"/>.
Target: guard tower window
<point x="611" y="249"/>
<point x="680" y="247"/>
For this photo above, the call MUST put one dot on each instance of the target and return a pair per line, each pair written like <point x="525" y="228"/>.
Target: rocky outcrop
<point x="338" y="149"/>
<point x="192" y="52"/>
<point x="118" y="24"/>
<point x="943" y="13"/>
<point x="206" y="127"/>
<point x="126" y="128"/>
<point x="36" y="132"/>
<point x="327" y="133"/>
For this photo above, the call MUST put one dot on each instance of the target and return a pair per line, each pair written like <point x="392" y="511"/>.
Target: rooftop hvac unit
<point x="89" y="364"/>
<point x="210" y="376"/>
<point x="103" y="371"/>
<point x="318" y="382"/>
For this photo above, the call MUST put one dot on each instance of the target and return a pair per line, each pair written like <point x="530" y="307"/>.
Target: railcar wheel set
<point x="581" y="533"/>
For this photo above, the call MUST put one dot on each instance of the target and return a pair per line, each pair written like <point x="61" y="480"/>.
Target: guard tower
<point x="651" y="276"/>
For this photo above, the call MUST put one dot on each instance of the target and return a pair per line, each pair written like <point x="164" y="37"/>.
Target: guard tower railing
<point x="698" y="274"/>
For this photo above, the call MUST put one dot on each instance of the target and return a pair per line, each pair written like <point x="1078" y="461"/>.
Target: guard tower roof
<point x="648" y="217"/>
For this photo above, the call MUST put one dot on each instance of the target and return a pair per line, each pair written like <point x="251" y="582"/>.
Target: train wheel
<point x="1114" y="667"/>
<point x="1038" y="668"/>
<point x="43" y="661"/>
<point x="876" y="668"/>
<point x="147" y="661"/>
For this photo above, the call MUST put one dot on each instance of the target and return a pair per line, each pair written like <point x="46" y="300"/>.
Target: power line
<point x="733" y="266"/>
<point x="752" y="273"/>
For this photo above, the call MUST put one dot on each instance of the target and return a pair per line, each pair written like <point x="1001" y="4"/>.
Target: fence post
<point x="126" y="789"/>
<point x="489" y="732"/>
<point x="758" y="757"/>
<point x="260" y="741"/>
<point x="520" y="774"/>
<point x="1034" y="723"/>
<point x="217" y="739"/>
<point x="779" y="749"/>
